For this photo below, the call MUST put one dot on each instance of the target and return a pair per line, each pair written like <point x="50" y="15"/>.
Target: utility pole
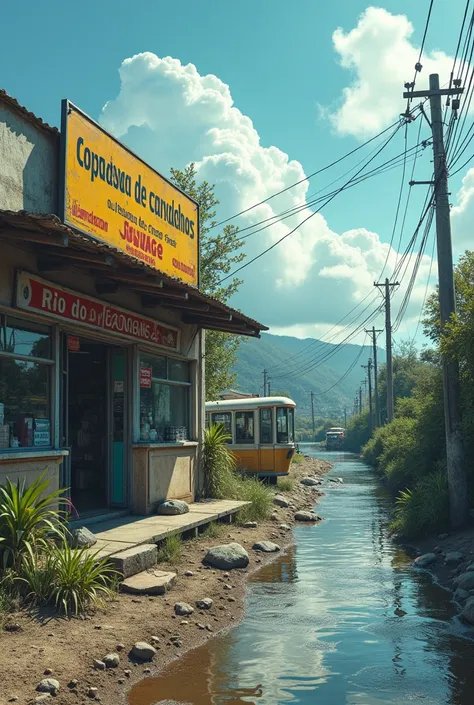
<point x="360" y="400"/>
<point x="345" y="416"/>
<point x="373" y="333"/>
<point x="268" y="388"/>
<point x="265" y="374"/>
<point x="368" y="367"/>
<point x="457" y="481"/>
<point x="312" y="414"/>
<point x="388" y="333"/>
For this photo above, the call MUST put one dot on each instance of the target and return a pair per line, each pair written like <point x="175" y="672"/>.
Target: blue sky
<point x="280" y="65"/>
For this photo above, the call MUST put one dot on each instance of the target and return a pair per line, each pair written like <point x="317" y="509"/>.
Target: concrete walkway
<point x="129" y="531"/>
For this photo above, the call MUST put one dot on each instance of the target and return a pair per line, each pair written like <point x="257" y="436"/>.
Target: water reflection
<point x="341" y="619"/>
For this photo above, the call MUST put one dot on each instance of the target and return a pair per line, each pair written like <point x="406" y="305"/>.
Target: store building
<point x="102" y="322"/>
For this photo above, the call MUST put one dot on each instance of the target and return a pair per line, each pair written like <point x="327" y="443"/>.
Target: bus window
<point x="282" y="425"/>
<point x="266" y="426"/>
<point x="244" y="432"/>
<point x="207" y="420"/>
<point x="226" y="420"/>
<point x="291" y="425"/>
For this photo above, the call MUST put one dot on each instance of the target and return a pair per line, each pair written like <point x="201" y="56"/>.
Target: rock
<point x="465" y="581"/>
<point x="81" y="538"/>
<point x="285" y="527"/>
<point x="99" y="665"/>
<point x="453" y="557"/>
<point x="231" y="599"/>
<point x="111" y="660"/>
<point x="120" y="647"/>
<point x="461" y="595"/>
<point x="188" y="573"/>
<point x="442" y="537"/>
<point x="425" y="560"/>
<point x="310" y="481"/>
<point x="149" y="582"/>
<point x="182" y="609"/>
<point x="127" y="673"/>
<point x="437" y="550"/>
<point x="281" y="501"/>
<point x="250" y="525"/>
<point x="39" y="698"/>
<point x="266" y="547"/>
<point x="48" y="685"/>
<point x="143" y="651"/>
<point x="48" y="671"/>
<point x="306" y="516"/>
<point x="172" y="507"/>
<point x="73" y="684"/>
<point x="468" y="612"/>
<point x="227" y="557"/>
<point x="135" y="560"/>
<point x="92" y="692"/>
<point x="204" y="604"/>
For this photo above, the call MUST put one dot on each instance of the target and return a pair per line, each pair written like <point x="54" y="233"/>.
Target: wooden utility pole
<point x="368" y="367"/>
<point x="373" y="333"/>
<point x="312" y="414"/>
<point x="388" y="333"/>
<point x="457" y="480"/>
<point x="268" y="388"/>
<point x="265" y="374"/>
<point x="345" y="416"/>
<point x="360" y="400"/>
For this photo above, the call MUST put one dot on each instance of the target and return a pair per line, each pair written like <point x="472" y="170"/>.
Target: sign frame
<point x="66" y="107"/>
<point x="114" y="310"/>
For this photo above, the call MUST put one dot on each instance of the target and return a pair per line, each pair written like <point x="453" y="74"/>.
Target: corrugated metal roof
<point x="47" y="223"/>
<point x="13" y="103"/>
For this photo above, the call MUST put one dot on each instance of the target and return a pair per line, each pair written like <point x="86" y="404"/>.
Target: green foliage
<point x="212" y="531"/>
<point x="28" y="514"/>
<point x="357" y="432"/>
<point x="220" y="252"/>
<point x="286" y="484"/>
<point x="259" y="495"/>
<point x="217" y="462"/>
<point x="72" y="579"/>
<point x="170" y="549"/>
<point x="424" y="509"/>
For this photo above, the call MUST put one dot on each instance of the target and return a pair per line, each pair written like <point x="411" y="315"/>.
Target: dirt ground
<point x="35" y="646"/>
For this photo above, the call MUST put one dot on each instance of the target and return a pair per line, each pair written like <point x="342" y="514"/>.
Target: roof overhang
<point x="58" y="247"/>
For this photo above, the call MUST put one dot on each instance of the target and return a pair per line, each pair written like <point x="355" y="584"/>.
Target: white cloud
<point x="381" y="56"/>
<point x="171" y="115"/>
<point x="462" y="215"/>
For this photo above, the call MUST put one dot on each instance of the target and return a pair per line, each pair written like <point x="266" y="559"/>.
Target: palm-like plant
<point x="28" y="514"/>
<point x="218" y="462"/>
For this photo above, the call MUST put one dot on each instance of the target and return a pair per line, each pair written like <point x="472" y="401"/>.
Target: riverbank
<point x="37" y="645"/>
<point x="448" y="556"/>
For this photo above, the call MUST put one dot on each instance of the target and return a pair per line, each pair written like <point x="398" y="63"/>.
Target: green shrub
<point x="424" y="509"/>
<point x="297" y="459"/>
<point x="218" y="462"/>
<point x="170" y="549"/>
<point x="28" y="514"/>
<point x="286" y="484"/>
<point x="71" y="579"/>
<point x="212" y="531"/>
<point x="260" y="497"/>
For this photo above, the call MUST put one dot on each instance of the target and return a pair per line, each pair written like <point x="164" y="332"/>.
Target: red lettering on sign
<point x="145" y="377"/>
<point x="73" y="343"/>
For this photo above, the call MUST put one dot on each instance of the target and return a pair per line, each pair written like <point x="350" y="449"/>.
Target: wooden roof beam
<point x="52" y="240"/>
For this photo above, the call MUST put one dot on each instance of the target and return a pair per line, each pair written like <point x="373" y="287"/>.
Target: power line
<point x="268" y="249"/>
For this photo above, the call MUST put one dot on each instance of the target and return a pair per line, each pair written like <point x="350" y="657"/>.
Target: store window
<point x="25" y="384"/>
<point x="244" y="427"/>
<point x="285" y="425"/>
<point x="266" y="426"/>
<point x="164" y="399"/>
<point x="226" y="420"/>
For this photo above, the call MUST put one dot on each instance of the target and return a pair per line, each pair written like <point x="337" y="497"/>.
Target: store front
<point x="101" y="352"/>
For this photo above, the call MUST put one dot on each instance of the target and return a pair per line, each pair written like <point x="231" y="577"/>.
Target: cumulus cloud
<point x="171" y="115"/>
<point x="462" y="215"/>
<point x="381" y="56"/>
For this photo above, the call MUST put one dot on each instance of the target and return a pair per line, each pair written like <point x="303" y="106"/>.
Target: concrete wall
<point x="163" y="473"/>
<point x="29" y="164"/>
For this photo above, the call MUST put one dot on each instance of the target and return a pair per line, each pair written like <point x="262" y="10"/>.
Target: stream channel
<point x="341" y="618"/>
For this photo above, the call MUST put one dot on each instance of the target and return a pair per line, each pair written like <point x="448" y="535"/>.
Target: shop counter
<point x="29" y="465"/>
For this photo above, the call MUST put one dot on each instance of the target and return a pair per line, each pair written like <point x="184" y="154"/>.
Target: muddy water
<point x="340" y="619"/>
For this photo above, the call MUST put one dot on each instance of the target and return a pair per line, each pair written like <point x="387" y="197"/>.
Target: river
<point x="340" y="619"/>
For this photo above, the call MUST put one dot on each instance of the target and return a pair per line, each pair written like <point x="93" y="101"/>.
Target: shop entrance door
<point x="87" y="425"/>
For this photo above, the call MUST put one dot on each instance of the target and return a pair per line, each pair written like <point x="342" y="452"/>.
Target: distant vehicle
<point x="262" y="432"/>
<point x="335" y="438"/>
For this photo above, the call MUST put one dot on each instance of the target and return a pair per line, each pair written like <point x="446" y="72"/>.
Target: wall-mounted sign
<point x="73" y="343"/>
<point x="112" y="195"/>
<point x="35" y="294"/>
<point x="118" y="386"/>
<point x="145" y="377"/>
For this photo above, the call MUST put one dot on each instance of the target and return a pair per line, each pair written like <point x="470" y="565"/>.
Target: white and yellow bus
<point x="261" y="430"/>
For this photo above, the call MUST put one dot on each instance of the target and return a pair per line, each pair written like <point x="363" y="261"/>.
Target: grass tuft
<point x="170" y="549"/>
<point x="286" y="484"/>
<point x="298" y="458"/>
<point x="212" y="530"/>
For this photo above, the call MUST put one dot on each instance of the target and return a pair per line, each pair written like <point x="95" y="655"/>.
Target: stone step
<point x="149" y="582"/>
<point x="135" y="560"/>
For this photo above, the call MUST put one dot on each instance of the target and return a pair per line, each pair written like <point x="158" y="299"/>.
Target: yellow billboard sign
<point x="112" y="195"/>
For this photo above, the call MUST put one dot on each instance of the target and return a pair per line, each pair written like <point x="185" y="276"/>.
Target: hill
<point x="288" y="361"/>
